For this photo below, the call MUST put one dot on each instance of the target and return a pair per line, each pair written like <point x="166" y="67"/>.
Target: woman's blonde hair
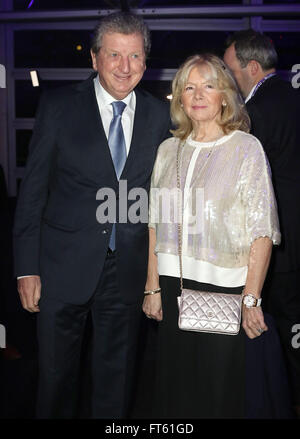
<point x="233" y="116"/>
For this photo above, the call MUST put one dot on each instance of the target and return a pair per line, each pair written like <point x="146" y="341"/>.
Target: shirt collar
<point x="258" y="84"/>
<point x="250" y="94"/>
<point x="105" y="99"/>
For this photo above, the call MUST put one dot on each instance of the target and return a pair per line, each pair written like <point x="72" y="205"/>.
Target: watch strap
<point x="257" y="303"/>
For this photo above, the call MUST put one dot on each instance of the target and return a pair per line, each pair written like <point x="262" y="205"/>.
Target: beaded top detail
<point x="236" y="205"/>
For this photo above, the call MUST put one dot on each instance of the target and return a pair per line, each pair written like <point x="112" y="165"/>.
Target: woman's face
<point x="201" y="101"/>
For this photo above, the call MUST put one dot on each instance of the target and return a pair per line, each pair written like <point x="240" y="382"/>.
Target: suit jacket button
<point x="104" y="232"/>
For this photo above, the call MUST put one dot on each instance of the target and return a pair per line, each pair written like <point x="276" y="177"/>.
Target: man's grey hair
<point x="251" y="45"/>
<point x="123" y="23"/>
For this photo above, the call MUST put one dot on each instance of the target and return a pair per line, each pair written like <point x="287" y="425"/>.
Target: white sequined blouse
<point x="228" y="202"/>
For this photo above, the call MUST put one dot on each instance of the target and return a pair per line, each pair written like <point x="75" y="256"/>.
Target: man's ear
<point x="253" y="67"/>
<point x="94" y="62"/>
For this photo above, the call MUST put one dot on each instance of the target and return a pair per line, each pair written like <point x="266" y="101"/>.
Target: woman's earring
<point x="224" y="104"/>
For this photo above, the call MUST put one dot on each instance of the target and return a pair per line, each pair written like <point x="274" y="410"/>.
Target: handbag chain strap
<point x="180" y="204"/>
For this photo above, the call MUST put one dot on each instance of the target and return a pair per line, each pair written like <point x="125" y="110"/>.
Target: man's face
<point x="120" y="63"/>
<point x="241" y="74"/>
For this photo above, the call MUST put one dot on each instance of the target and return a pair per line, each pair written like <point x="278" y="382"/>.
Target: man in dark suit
<point x="70" y="261"/>
<point x="274" y="107"/>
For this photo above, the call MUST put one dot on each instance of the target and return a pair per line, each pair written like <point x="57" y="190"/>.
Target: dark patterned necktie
<point x="116" y="142"/>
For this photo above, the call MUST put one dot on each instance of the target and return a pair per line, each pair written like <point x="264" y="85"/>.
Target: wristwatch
<point x="250" y="301"/>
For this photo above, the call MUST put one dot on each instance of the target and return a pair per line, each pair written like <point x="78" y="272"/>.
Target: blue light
<point x="30" y="4"/>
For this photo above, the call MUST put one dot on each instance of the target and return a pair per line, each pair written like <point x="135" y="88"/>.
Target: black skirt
<point x="201" y="375"/>
<point x="198" y="375"/>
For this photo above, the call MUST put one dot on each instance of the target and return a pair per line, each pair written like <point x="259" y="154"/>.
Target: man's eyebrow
<point x="114" y="50"/>
<point x="111" y="50"/>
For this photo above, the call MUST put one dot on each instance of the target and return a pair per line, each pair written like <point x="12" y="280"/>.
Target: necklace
<point x="179" y="168"/>
<point x="204" y="165"/>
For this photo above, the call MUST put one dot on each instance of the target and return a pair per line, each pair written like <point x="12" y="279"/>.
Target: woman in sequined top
<point x="228" y="228"/>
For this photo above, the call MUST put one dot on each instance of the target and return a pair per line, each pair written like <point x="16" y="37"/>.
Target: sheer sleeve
<point x="258" y="195"/>
<point x="153" y="199"/>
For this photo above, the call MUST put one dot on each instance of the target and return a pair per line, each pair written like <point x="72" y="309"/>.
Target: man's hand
<point x="30" y="292"/>
<point x="253" y="321"/>
<point x="152" y="307"/>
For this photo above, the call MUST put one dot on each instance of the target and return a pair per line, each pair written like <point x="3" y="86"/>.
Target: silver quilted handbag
<point x="202" y="311"/>
<point x="209" y="312"/>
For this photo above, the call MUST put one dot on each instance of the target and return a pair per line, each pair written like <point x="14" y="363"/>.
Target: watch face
<point x="249" y="301"/>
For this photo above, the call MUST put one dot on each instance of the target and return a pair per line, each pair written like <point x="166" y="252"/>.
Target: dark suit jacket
<point x="56" y="233"/>
<point x="275" y="116"/>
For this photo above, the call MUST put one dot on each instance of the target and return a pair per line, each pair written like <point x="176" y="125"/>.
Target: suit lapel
<point x="93" y="122"/>
<point x="141" y="117"/>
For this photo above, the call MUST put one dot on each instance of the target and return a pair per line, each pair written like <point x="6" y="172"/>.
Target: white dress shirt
<point x="250" y="94"/>
<point x="104" y="101"/>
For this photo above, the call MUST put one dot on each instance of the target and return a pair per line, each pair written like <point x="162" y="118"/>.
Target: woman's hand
<point x="253" y="321"/>
<point x="259" y="259"/>
<point x="152" y="302"/>
<point x="152" y="306"/>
